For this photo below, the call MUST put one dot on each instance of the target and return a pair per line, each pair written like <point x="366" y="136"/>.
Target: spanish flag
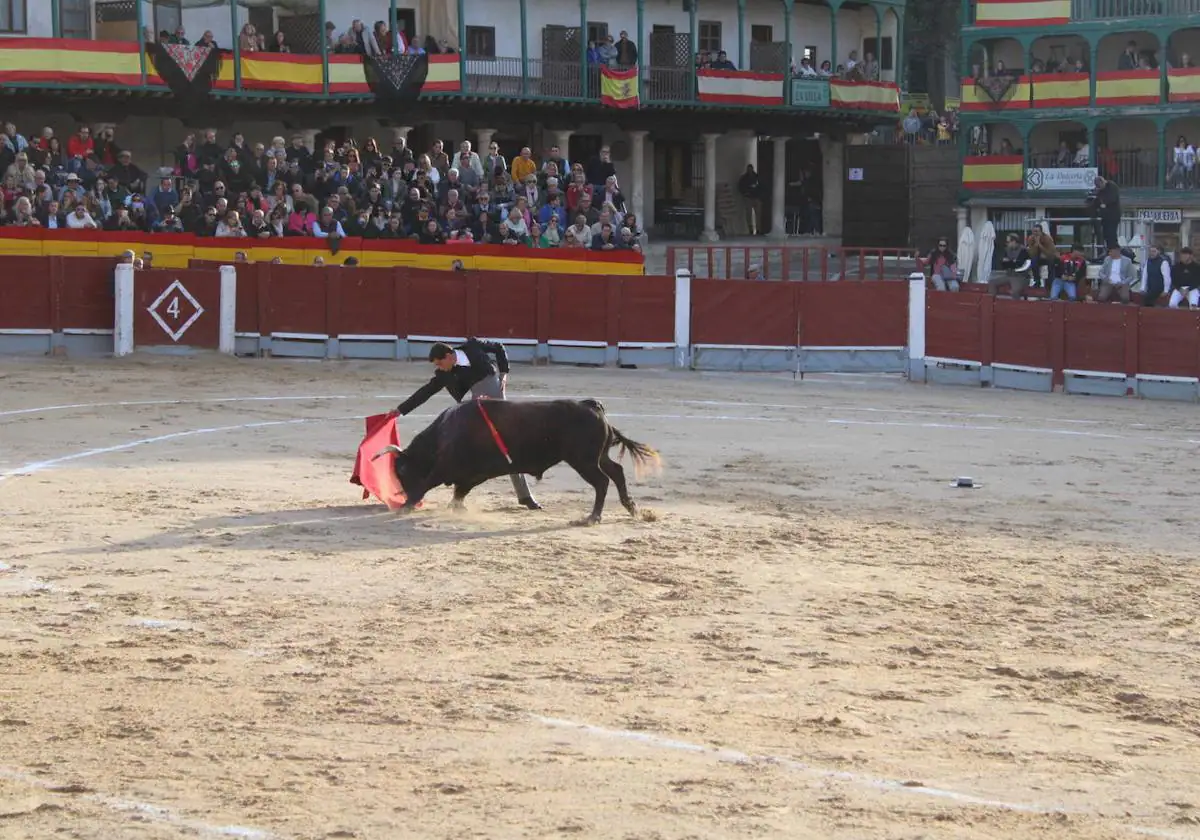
<point x="619" y="88"/>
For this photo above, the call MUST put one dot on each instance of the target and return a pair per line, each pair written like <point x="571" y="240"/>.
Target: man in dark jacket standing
<point x="467" y="368"/>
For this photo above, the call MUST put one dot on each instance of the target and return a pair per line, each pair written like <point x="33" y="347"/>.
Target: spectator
<point x="723" y="62"/>
<point x="601" y="168"/>
<point x="1186" y="281"/>
<point x="279" y="43"/>
<point x="81" y="219"/>
<point x="523" y="166"/>
<point x="1156" y="277"/>
<point x="248" y="40"/>
<point x="1072" y="275"/>
<point x="627" y="51"/>
<point x="1016" y="264"/>
<point x="1117" y="274"/>
<point x="942" y="265"/>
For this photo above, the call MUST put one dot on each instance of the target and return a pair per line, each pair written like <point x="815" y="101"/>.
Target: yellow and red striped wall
<point x="175" y="250"/>
<point x="1022" y="12"/>
<point x="994" y="172"/>
<point x="42" y="61"/>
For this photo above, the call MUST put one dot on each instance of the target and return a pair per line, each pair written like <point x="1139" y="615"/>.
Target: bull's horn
<point x="391" y="447"/>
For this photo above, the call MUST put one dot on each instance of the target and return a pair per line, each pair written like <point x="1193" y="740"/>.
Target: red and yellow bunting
<point x="1128" y="87"/>
<point x="1183" y="84"/>
<point x="864" y="96"/>
<point x="1016" y="97"/>
<point x="65" y="63"/>
<point x="47" y="61"/>
<point x="1022" y="12"/>
<point x="994" y="172"/>
<point x="1062" y="90"/>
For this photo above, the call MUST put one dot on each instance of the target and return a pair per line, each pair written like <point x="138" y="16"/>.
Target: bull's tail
<point x="391" y="447"/>
<point x="643" y="456"/>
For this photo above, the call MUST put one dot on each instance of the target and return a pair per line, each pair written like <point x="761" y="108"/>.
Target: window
<point x="12" y="17"/>
<point x="481" y="42"/>
<point x="597" y="32"/>
<point x="74" y="18"/>
<point x="710" y="36"/>
<point x="884" y="55"/>
<point x="810" y="52"/>
<point x="760" y="34"/>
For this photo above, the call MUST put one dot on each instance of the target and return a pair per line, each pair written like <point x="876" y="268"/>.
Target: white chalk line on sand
<point x="721" y="403"/>
<point x="142" y="809"/>
<point x="885" y="785"/>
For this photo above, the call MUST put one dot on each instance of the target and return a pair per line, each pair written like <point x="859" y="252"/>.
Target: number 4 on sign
<point x="173" y="308"/>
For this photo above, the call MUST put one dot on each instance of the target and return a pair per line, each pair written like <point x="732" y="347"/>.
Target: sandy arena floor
<point x="204" y="631"/>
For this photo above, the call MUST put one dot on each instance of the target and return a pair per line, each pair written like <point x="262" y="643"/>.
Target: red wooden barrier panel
<point x="953" y="325"/>
<point x="871" y="314"/>
<point x="1169" y="342"/>
<point x="1060" y="336"/>
<point x="751" y="312"/>
<point x="647" y="309"/>
<point x="506" y="304"/>
<point x="1022" y="332"/>
<point x="28" y="293"/>
<point x="1095" y="337"/>
<point x="87" y="302"/>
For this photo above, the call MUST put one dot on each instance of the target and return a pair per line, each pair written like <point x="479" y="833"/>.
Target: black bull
<point x="458" y="448"/>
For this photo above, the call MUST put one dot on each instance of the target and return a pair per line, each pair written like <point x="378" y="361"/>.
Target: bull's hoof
<point x="587" y="521"/>
<point x="529" y="503"/>
<point x="458" y="505"/>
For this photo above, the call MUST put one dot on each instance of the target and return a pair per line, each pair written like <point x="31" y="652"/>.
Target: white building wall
<point x="38" y="21"/>
<point x="811" y="25"/>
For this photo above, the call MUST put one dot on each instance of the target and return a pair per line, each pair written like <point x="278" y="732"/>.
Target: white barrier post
<point x="123" y="314"/>
<point x="916" y="327"/>
<point x="683" y="318"/>
<point x="227" y="337"/>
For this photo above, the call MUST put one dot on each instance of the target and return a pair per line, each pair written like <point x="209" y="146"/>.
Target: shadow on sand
<point x="337" y="528"/>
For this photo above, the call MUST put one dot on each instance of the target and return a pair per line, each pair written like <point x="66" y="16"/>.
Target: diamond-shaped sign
<point x="174" y="318"/>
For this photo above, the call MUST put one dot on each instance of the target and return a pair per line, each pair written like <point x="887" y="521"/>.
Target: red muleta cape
<point x="378" y="478"/>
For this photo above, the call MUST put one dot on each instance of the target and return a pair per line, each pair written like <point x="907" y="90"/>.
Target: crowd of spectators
<point x="357" y="39"/>
<point x="235" y="189"/>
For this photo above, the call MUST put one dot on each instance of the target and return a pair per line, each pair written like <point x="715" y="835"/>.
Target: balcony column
<point x="483" y="139"/>
<point x="710" y="188"/>
<point x="637" y="163"/>
<point x="833" y="175"/>
<point x="779" y="189"/>
<point x="787" y="50"/>
<point x="743" y="54"/>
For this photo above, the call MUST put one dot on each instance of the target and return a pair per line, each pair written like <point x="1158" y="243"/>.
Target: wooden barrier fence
<point x="78" y="306"/>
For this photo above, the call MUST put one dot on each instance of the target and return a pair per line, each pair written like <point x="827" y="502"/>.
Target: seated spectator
<point x="942" y="265"/>
<point x="81" y="219"/>
<point x="1072" y="275"/>
<point x="51" y="217"/>
<point x="1016" y="264"/>
<point x="1185" y="280"/>
<point x="326" y="227"/>
<point x="603" y="241"/>
<point x="551" y="233"/>
<point x="628" y="242"/>
<point x="1117" y="274"/>
<point x="230" y="226"/>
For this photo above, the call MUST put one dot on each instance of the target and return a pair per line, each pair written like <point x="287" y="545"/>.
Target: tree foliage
<point x="931" y="27"/>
